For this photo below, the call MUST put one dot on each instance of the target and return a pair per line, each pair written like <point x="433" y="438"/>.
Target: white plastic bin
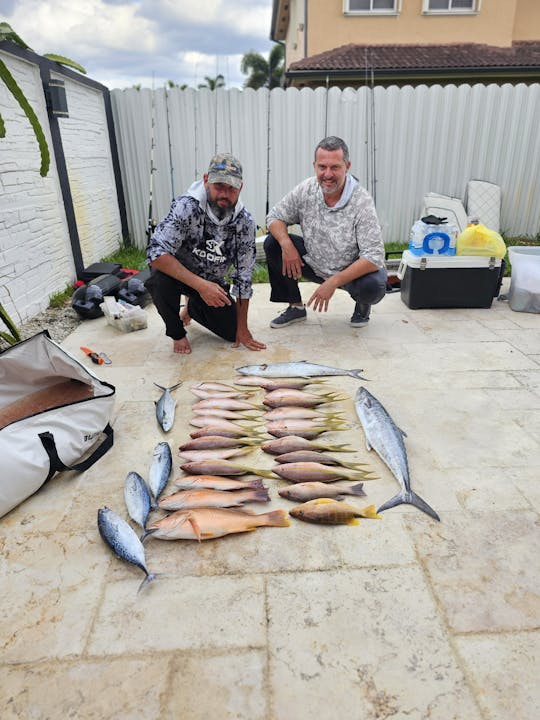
<point x="524" y="293"/>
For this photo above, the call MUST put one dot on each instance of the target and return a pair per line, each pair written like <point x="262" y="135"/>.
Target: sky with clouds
<point x="121" y="43"/>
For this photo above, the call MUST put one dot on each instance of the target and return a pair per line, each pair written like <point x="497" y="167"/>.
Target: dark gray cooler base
<point x="453" y="282"/>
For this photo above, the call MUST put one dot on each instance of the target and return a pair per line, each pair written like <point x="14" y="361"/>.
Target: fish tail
<point x="145" y="534"/>
<point x="353" y="466"/>
<point x="261" y="495"/>
<point x="148" y="579"/>
<point x="339" y="448"/>
<point x="357" y="374"/>
<point x="160" y="386"/>
<point x="275" y="518"/>
<point x="409" y="498"/>
<point x="357" y="489"/>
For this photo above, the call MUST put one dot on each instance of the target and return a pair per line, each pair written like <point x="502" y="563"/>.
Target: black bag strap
<point x="56" y="465"/>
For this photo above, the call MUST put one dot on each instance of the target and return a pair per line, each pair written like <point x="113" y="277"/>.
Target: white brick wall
<point x="35" y="251"/>
<point x="88" y="158"/>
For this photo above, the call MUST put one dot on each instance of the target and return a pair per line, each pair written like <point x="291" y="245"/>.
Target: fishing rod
<point x="151" y="222"/>
<point x="170" y="144"/>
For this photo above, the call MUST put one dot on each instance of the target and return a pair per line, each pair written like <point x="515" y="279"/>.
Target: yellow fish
<point x="332" y="512"/>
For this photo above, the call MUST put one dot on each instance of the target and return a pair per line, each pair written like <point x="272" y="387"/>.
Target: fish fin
<point x="353" y="521"/>
<point x="409" y="498"/>
<point x="322" y="501"/>
<point x="173" y="387"/>
<point x="277" y="518"/>
<point x="369" y="512"/>
<point x="160" y="386"/>
<point x="148" y="579"/>
<point x="146" y="533"/>
<point x="261" y="495"/>
<point x="357" y="489"/>
<point x="357" y="373"/>
<point x="195" y="526"/>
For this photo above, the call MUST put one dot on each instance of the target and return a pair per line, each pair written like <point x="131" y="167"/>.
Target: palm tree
<point x="262" y="72"/>
<point x="213" y="83"/>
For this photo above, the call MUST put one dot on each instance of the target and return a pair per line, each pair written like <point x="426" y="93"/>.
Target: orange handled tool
<point x="92" y="355"/>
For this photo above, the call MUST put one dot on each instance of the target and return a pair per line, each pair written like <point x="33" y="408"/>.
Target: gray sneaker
<point x="360" y="316"/>
<point x="290" y="315"/>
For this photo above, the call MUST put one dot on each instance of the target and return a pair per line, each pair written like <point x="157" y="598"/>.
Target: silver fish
<point x="165" y="407"/>
<point x="301" y="368"/>
<point x="137" y="497"/>
<point x="123" y="541"/>
<point x="160" y="469"/>
<point x="383" y="436"/>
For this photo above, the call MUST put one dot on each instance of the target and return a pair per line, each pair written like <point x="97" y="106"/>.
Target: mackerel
<point x="160" y="469"/>
<point x="302" y="368"/>
<point x="383" y="436"/>
<point x="137" y="497"/>
<point x="123" y="541"/>
<point x="165" y="407"/>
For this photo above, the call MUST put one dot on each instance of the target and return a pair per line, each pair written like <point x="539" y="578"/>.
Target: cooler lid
<point x="447" y="261"/>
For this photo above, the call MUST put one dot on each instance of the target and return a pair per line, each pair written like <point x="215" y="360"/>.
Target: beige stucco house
<point x="383" y="42"/>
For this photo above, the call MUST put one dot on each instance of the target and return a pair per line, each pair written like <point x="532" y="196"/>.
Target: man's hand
<point x="213" y="294"/>
<point x="322" y="295"/>
<point x="291" y="261"/>
<point x="244" y="337"/>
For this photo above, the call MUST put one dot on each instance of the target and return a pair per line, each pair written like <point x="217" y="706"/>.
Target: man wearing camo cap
<point x="207" y="235"/>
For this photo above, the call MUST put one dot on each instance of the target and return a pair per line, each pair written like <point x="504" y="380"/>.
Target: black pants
<point x="369" y="289"/>
<point x="166" y="293"/>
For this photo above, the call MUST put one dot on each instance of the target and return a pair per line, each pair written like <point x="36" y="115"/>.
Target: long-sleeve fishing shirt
<point x="334" y="236"/>
<point x="205" y="245"/>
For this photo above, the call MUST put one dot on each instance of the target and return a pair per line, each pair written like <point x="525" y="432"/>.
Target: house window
<point x="371" y="7"/>
<point x="451" y="6"/>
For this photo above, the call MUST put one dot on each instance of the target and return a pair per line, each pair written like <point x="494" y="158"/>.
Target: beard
<point x="221" y="211"/>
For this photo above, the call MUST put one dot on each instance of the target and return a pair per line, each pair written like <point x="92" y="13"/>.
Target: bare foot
<point x="182" y="346"/>
<point x="184" y="314"/>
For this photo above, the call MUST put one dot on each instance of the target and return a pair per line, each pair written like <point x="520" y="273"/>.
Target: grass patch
<point x="59" y="299"/>
<point x="129" y="257"/>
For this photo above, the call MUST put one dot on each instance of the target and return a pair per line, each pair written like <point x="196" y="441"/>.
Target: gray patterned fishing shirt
<point x="208" y="247"/>
<point x="334" y="236"/>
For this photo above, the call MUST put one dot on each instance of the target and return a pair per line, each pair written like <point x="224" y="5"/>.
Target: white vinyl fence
<point x="404" y="143"/>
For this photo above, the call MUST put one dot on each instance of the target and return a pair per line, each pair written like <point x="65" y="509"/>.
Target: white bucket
<point x="524" y="293"/>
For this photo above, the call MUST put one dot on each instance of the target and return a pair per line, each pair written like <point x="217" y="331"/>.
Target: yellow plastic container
<point x="480" y="240"/>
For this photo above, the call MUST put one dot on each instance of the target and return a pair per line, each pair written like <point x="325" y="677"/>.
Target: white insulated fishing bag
<point x="36" y="442"/>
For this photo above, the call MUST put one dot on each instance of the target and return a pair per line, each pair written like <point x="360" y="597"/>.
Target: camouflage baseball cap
<point x="225" y="168"/>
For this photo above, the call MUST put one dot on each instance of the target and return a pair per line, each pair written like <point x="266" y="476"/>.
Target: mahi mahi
<point x="383" y="436"/>
<point x="301" y="368"/>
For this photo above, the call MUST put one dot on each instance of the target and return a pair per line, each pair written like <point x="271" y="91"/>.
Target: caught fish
<point x="314" y="456"/>
<point x="297" y="413"/>
<point x="215" y="482"/>
<point x="290" y="443"/>
<point x="383" y="436"/>
<point x="165" y="407"/>
<point x="215" y="454"/>
<point x="304" y="428"/>
<point x="137" y="497"/>
<point x="222" y="467"/>
<point x="223" y="423"/>
<point x="298" y="398"/>
<point x="221" y="413"/>
<point x="301" y="369"/>
<point x="332" y="512"/>
<point x="306" y="471"/>
<point x="215" y="387"/>
<point x="225" y="404"/>
<point x="275" y="383"/>
<point x="160" y="469"/>
<point x="208" y="523"/>
<point x="190" y="499"/>
<point x="233" y="393"/>
<point x="302" y="492"/>
<point x="123" y="541"/>
<point x="211" y="442"/>
<point x="228" y="431"/>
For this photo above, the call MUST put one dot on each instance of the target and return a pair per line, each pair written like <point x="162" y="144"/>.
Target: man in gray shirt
<point x="341" y="244"/>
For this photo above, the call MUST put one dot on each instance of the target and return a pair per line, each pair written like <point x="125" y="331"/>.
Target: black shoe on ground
<point x="360" y="316"/>
<point x="291" y="315"/>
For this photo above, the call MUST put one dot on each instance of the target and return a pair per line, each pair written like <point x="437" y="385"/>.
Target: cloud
<point x="125" y="42"/>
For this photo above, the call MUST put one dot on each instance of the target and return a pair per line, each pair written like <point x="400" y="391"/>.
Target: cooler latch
<point x="423" y="263"/>
<point x="491" y="263"/>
